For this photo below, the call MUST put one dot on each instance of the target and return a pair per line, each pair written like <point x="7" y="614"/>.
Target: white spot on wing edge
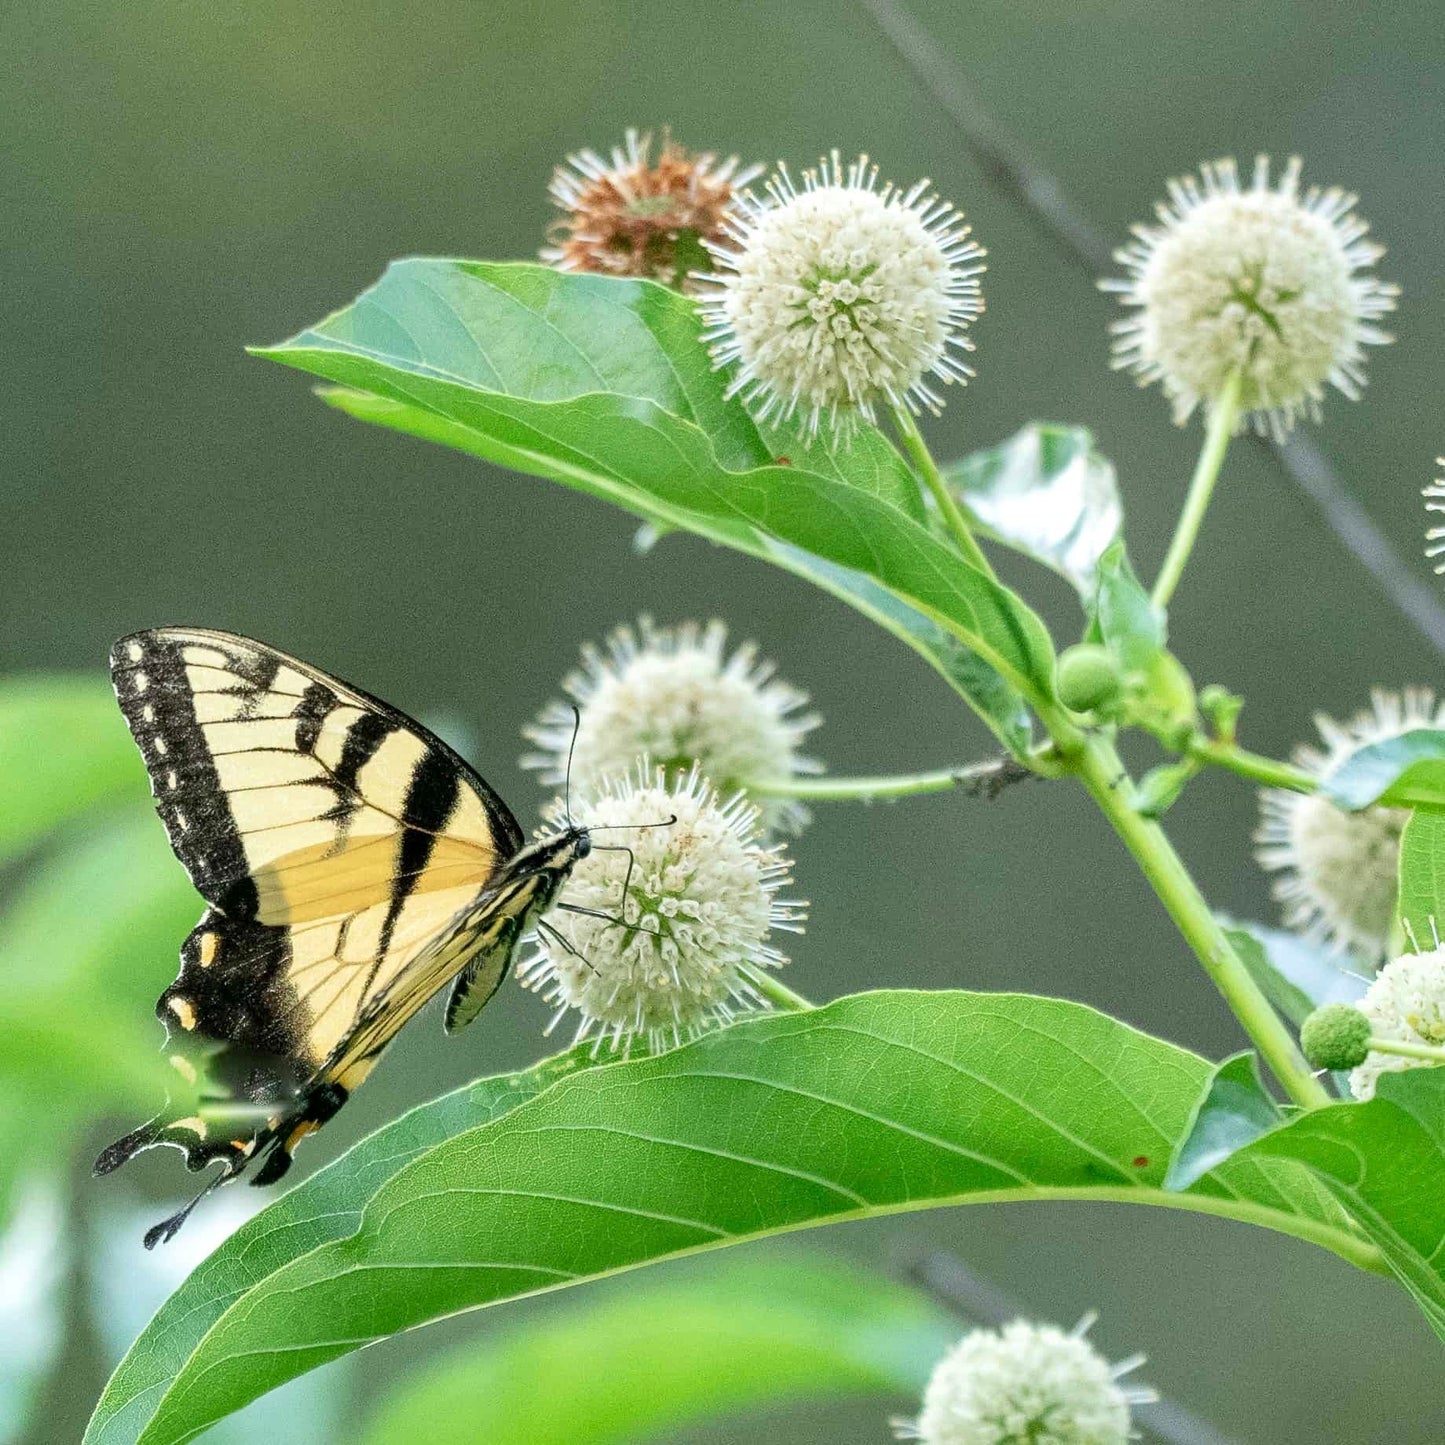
<point x="136" y="651"/>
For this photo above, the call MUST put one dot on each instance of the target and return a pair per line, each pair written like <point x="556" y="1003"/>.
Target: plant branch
<point x="1104" y="775"/>
<point x="923" y="460"/>
<point x="979" y="780"/>
<point x="1254" y="766"/>
<point x="1223" y="415"/>
<point x="1014" y="173"/>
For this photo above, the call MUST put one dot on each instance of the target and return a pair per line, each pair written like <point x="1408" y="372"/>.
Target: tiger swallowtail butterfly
<point x="352" y="865"/>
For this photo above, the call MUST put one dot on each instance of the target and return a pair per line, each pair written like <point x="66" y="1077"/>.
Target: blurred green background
<point x="180" y="179"/>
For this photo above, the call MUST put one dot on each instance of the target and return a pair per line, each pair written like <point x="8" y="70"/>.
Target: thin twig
<point x="979" y="1302"/>
<point x="1014" y="173"/>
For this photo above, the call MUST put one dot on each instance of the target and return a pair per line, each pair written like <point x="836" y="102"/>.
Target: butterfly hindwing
<point x="346" y="855"/>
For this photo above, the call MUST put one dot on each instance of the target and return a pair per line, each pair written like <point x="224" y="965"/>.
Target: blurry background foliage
<point x="179" y="180"/>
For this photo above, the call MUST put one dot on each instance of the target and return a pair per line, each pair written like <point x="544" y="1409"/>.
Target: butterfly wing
<point x="335" y="840"/>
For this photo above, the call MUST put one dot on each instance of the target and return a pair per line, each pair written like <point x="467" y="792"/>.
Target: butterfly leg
<point x="564" y="942"/>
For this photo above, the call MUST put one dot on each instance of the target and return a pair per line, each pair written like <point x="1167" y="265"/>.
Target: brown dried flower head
<point x="629" y="216"/>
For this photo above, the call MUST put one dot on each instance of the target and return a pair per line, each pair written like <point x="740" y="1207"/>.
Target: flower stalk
<point x="927" y="469"/>
<point x="1223" y="417"/>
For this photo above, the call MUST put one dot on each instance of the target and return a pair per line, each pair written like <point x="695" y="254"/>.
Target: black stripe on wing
<point x="148" y="672"/>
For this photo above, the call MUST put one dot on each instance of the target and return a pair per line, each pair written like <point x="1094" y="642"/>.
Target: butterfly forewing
<point x="347" y="856"/>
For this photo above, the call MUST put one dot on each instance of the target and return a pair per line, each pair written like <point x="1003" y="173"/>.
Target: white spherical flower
<point x="1026" y="1384"/>
<point x="839" y="295"/>
<point x="689" y="911"/>
<point x="1262" y="279"/>
<point x="1435" y="502"/>
<point x="1339" y="871"/>
<point x="1406" y="1004"/>
<point x="675" y="695"/>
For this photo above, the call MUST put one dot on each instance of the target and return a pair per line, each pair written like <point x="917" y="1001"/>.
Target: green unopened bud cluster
<point x="1336" y="1036"/>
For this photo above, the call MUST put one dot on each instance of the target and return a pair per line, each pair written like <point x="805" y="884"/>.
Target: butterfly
<point x="352" y="865"/>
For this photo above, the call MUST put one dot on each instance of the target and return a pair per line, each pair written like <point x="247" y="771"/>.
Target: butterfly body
<point x="353" y="865"/>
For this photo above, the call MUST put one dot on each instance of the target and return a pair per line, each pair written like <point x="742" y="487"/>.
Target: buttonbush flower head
<point x="1406" y="1004"/>
<point x="1338" y="871"/>
<point x="691" y="912"/>
<point x="632" y="216"/>
<point x="1026" y="1384"/>
<point x="1259" y="278"/>
<point x="837" y="295"/>
<point x="1435" y="502"/>
<point x="675" y="695"/>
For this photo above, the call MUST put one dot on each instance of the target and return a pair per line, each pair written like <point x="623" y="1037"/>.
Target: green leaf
<point x="64" y="750"/>
<point x="1048" y="494"/>
<point x="1422" y="876"/>
<point x="1159" y="692"/>
<point x="605" y="385"/>
<point x="873" y="1104"/>
<point x="1297" y="976"/>
<point x="87" y="941"/>
<point x="995" y="701"/>
<point x="1385" y="1162"/>
<point x="1233" y="1110"/>
<point x="1403" y="772"/>
<point x="650" y="1362"/>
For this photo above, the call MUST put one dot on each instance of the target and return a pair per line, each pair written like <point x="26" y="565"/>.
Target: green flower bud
<point x="1088" y="677"/>
<point x="1336" y="1036"/>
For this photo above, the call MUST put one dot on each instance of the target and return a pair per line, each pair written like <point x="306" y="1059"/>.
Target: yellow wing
<point x="333" y="837"/>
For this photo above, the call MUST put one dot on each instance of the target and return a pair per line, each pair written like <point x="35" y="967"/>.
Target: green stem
<point x="1222" y="417"/>
<point x="1407" y="1050"/>
<point x="917" y="449"/>
<point x="1104" y="775"/>
<point x="1254" y="766"/>
<point x="777" y="992"/>
<point x="901" y="785"/>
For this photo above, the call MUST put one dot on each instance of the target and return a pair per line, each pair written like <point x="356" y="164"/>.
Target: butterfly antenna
<point x="567" y="776"/>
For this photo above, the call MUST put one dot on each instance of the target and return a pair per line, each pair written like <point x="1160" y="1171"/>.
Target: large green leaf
<point x="650" y="1362"/>
<point x="873" y="1104"/>
<point x="1422" y="876"/>
<point x="64" y="749"/>
<point x="326" y="1206"/>
<point x="604" y="385"/>
<point x="1385" y="1161"/>
<point x="1047" y="493"/>
<point x="1407" y="771"/>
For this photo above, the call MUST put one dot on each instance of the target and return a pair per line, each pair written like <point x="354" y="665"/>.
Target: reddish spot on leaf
<point x="1141" y="1161"/>
<point x="783" y="461"/>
